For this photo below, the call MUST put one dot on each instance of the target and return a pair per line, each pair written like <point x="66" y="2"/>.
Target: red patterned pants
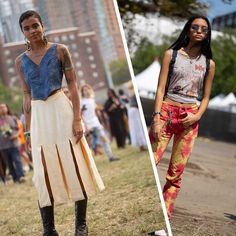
<point x="182" y="147"/>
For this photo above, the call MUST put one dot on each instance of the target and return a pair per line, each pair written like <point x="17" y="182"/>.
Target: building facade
<point x="220" y="23"/>
<point x="95" y="19"/>
<point x="10" y="11"/>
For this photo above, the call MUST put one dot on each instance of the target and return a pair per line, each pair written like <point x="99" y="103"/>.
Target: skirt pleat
<point x="71" y="170"/>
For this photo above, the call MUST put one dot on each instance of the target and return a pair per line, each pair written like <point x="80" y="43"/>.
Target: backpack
<point x="171" y="68"/>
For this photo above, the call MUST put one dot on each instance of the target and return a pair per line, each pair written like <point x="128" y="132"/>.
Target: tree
<point x="147" y="52"/>
<point x="170" y="8"/>
<point x="12" y="97"/>
<point x="120" y="71"/>
<point x="178" y="9"/>
<point x="224" y="55"/>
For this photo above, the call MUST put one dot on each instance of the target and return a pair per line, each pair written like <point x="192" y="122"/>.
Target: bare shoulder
<point x="212" y="64"/>
<point x="18" y="61"/>
<point x="168" y="52"/>
<point x="167" y="55"/>
<point x="62" y="47"/>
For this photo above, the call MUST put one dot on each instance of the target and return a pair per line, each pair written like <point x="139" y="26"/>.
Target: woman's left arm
<point x="192" y="118"/>
<point x="70" y="75"/>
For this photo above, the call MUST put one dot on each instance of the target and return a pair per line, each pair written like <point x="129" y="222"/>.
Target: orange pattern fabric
<point x="21" y="132"/>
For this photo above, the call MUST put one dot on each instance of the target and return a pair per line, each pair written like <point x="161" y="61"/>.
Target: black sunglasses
<point x="195" y="28"/>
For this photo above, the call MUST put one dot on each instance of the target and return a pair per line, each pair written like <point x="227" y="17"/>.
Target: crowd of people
<point x="15" y="157"/>
<point x="117" y="118"/>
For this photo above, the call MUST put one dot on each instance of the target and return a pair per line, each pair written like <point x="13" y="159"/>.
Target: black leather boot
<point x="47" y="215"/>
<point x="81" y="228"/>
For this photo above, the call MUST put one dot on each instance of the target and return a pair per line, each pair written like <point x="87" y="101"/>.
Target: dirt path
<point x="207" y="201"/>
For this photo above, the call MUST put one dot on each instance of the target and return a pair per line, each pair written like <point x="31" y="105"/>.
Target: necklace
<point x="191" y="57"/>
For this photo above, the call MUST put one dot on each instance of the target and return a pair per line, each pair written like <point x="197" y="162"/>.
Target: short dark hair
<point x="28" y="14"/>
<point x="121" y="92"/>
<point x="183" y="39"/>
<point x="112" y="92"/>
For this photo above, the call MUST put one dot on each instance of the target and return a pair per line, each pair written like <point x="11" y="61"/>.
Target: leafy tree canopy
<point x="170" y="8"/>
<point x="176" y="9"/>
<point x="120" y="71"/>
<point x="12" y="97"/>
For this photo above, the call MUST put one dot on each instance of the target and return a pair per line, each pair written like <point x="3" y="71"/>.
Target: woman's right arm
<point x="161" y="92"/>
<point x="26" y="95"/>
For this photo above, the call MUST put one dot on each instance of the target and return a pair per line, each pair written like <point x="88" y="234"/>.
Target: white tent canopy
<point x="147" y="80"/>
<point x="223" y="103"/>
<point x="229" y="99"/>
<point x="214" y="102"/>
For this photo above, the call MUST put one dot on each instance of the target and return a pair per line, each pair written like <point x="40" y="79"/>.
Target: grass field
<point x="128" y="206"/>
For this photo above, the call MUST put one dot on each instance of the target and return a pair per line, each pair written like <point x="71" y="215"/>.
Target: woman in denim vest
<point x="186" y="75"/>
<point x="63" y="166"/>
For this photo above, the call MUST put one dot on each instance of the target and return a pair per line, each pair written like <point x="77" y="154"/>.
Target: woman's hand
<point x="190" y="119"/>
<point x="77" y="129"/>
<point x="157" y="128"/>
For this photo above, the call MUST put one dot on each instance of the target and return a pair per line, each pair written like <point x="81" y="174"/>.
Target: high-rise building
<point x="10" y="11"/>
<point x="97" y="16"/>
<point x="113" y="27"/>
<point x="90" y="15"/>
<point x="223" y="22"/>
<point x="56" y="14"/>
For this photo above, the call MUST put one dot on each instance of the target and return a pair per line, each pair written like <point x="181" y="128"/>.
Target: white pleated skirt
<point x="63" y="170"/>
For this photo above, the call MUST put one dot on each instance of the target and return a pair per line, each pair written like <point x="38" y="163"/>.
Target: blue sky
<point x="217" y="7"/>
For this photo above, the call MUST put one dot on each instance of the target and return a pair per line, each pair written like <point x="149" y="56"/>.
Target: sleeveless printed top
<point x="45" y="77"/>
<point x="186" y="82"/>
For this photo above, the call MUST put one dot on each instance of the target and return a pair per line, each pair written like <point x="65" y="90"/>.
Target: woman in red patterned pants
<point x="182" y="97"/>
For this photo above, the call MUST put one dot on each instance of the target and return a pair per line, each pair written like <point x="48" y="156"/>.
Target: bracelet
<point x="78" y="119"/>
<point x="156" y="113"/>
<point x="156" y="124"/>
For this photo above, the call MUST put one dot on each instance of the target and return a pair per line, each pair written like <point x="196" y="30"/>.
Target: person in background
<point x="116" y="112"/>
<point x="125" y="100"/>
<point x="135" y="125"/>
<point x="123" y="97"/>
<point x="63" y="165"/>
<point x="9" y="144"/>
<point x="91" y="121"/>
<point x="22" y="147"/>
<point x="3" y="168"/>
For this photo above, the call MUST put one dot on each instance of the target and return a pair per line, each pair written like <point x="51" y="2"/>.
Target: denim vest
<point x="44" y="78"/>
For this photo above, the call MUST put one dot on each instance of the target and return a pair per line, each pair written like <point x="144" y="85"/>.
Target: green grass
<point x="128" y="206"/>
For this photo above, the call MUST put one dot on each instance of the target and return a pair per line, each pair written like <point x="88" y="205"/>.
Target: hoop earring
<point x="45" y="40"/>
<point x="27" y="44"/>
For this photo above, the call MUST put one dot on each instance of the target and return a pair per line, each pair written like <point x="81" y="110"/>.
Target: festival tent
<point x="223" y="103"/>
<point x="147" y="80"/>
<point x="229" y="99"/>
<point x="214" y="102"/>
